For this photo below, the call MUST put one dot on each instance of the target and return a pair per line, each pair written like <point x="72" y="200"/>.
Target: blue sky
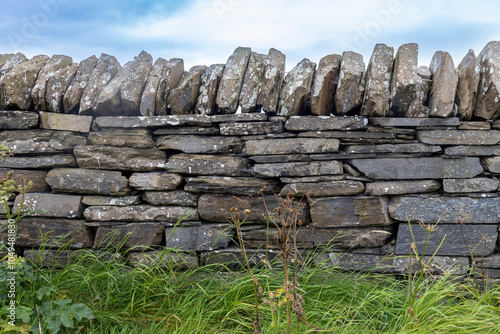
<point x="207" y="32"/>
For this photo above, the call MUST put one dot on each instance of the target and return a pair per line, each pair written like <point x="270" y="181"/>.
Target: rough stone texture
<point x="272" y="81"/>
<point x="200" y="144"/>
<point x="444" y="85"/>
<point x="253" y="117"/>
<point x="250" y="128"/>
<point x="349" y="212"/>
<point x="401" y="187"/>
<point x="182" y="100"/>
<point x="187" y="130"/>
<point x="170" y="79"/>
<point x="448" y="210"/>
<point x="119" y="158"/>
<point x="51" y="205"/>
<point x="158" y="259"/>
<point x="195" y="164"/>
<point x="321" y="189"/>
<point x="198" y="238"/>
<point x="378" y="82"/>
<point x="148" y="98"/>
<point x="350" y="87"/>
<point x="109" y="200"/>
<point x="10" y="61"/>
<point x="232" y="80"/>
<point x="291" y="145"/>
<point x="480" y="239"/>
<point x="41" y="141"/>
<point x="418" y="106"/>
<point x="16" y="85"/>
<point x="404" y="79"/>
<point x="51" y="161"/>
<point x="492" y="164"/>
<point x="18" y="120"/>
<point x="296" y="89"/>
<point x="389" y="148"/>
<point x="122" y="95"/>
<point x="35" y="176"/>
<point x="297" y="169"/>
<point x="488" y="102"/>
<point x="476" y="125"/>
<point x="138" y="236"/>
<point x="53" y="258"/>
<point x="65" y="122"/>
<point x="252" y="81"/>
<point x="57" y="84"/>
<point x="176" y="197"/>
<point x="476" y="185"/>
<point x="231" y="185"/>
<point x="415" y="122"/>
<point x="210" y="81"/>
<point x="155" y="181"/>
<point x="468" y="72"/>
<point x="140" y="213"/>
<point x="418" y="168"/>
<point x="459" y="137"/>
<point x="325" y="85"/>
<point x="156" y="121"/>
<point x="106" y="68"/>
<point x="492" y="261"/>
<point x="324" y="123"/>
<point x="138" y="138"/>
<point x="72" y="96"/>
<point x="473" y="151"/>
<point x="438" y="265"/>
<point x="361" y="262"/>
<point x="232" y="258"/>
<point x="76" y="180"/>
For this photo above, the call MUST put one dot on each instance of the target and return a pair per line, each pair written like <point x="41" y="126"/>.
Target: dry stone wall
<point x="147" y="155"/>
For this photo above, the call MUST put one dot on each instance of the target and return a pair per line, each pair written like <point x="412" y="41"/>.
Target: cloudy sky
<point x="203" y="32"/>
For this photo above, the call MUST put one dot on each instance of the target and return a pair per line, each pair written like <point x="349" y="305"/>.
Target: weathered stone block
<point x="414" y="122"/>
<point x="392" y="148"/>
<point x="404" y="79"/>
<point x="231" y="185"/>
<point x="325" y="85"/>
<point x="41" y="141"/>
<point x="401" y="187"/>
<point x="187" y="130"/>
<point x="72" y="96"/>
<point x="169" y="80"/>
<point x="148" y="99"/>
<point x="52" y="258"/>
<point x="67" y="122"/>
<point x="468" y="72"/>
<point x="200" y="144"/>
<point x="18" y="120"/>
<point x="444" y="85"/>
<point x="291" y="145"/>
<point x="246" y="117"/>
<point x="152" y="121"/>
<point x="158" y="259"/>
<point x="250" y="128"/>
<point x="297" y="169"/>
<point x="492" y="164"/>
<point x="487" y="103"/>
<point x="57" y="84"/>
<point x="52" y="161"/>
<point x="251" y="82"/>
<point x="155" y="181"/>
<point x="208" y="90"/>
<point x="323" y="189"/>
<point x="232" y="258"/>
<point x="51" y="205"/>
<point x="439" y="265"/>
<point x="194" y="164"/>
<point x="176" y="197"/>
<point x="459" y="137"/>
<point x="119" y="158"/>
<point x="324" y="123"/>
<point x="492" y="261"/>
<point x="182" y="99"/>
<point x="138" y="138"/>
<point x="358" y="262"/>
<point x="35" y="176"/>
<point x="198" y="238"/>
<point x="476" y="185"/>
<point x="473" y="151"/>
<point x="86" y="181"/>
<point x="140" y="213"/>
<point x="108" y="200"/>
<point x="349" y="94"/>
<point x="272" y="81"/>
<point x="296" y="89"/>
<point x="137" y="236"/>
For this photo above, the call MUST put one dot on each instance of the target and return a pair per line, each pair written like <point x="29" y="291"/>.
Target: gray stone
<point x="18" y="120"/>
<point x="41" y="141"/>
<point x="401" y="187"/>
<point x="156" y="121"/>
<point x="252" y="82"/>
<point x="232" y="80"/>
<point x="50" y="258"/>
<point x="137" y="236"/>
<point x="349" y="94"/>
<point x="418" y="105"/>
<point x="312" y="179"/>
<point x="418" y="168"/>
<point x="487" y="102"/>
<point x="182" y="100"/>
<point x="105" y="70"/>
<point x="473" y="151"/>
<point x="51" y="205"/>
<point x="322" y="189"/>
<point x="359" y="262"/>
<point x="194" y="164"/>
<point x="479" y="239"/>
<point x="492" y="164"/>
<point x="325" y="85"/>
<point x="138" y="138"/>
<point x="205" y="105"/>
<point x="35" y="176"/>
<point x="446" y="210"/>
<point x="476" y="185"/>
<point x="459" y="137"/>
<point x="176" y="197"/>
<point x="270" y="159"/>
<point x="322" y="123"/>
<point x="187" y="130"/>
<point x="414" y="122"/>
<point x="155" y="181"/>
<point x="198" y="238"/>
<point x="492" y="261"/>
<point x="232" y="258"/>
<point x="57" y="84"/>
<point x="109" y="200"/>
<point x="468" y="83"/>
<point x="336" y="212"/>
<point x="444" y="85"/>
<point x="479" y="125"/>
<point x="435" y="266"/>
<point x="148" y="98"/>
<point x="245" y="117"/>
<point x="51" y="161"/>
<point x="378" y="82"/>
<point x="388" y="148"/>
<point x="291" y="146"/>
<point x="9" y="61"/>
<point x="159" y="259"/>
<point x="140" y="213"/>
<point x="119" y="158"/>
<point x="72" y="96"/>
<point x="86" y="181"/>
<point x="404" y="79"/>
<point x="231" y="185"/>
<point x="272" y="81"/>
<point x="297" y="169"/>
<point x="65" y="122"/>
<point x="250" y="128"/>
<point x="200" y="144"/>
<point x="296" y="89"/>
<point x="170" y="79"/>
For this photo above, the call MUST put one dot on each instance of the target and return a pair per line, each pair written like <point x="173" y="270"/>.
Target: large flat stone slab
<point x="41" y="141"/>
<point x="250" y="128"/>
<point x="86" y="181"/>
<point x="323" y="189"/>
<point x="51" y="205"/>
<point x="473" y="151"/>
<point x="35" y="176"/>
<point x="199" y="238"/>
<point x="475" y="185"/>
<point x="163" y="259"/>
<point x="155" y="181"/>
<point x="298" y="169"/>
<point x="291" y="146"/>
<point x="65" y="122"/>
<point x="200" y="144"/>
<point x="51" y="161"/>
<point x="459" y="137"/>
<point x="133" y="235"/>
<point x="111" y="200"/>
<point x="231" y="185"/>
<point x="174" y="198"/>
<point x="392" y="148"/>
<point x="414" y="122"/>
<point x="401" y="187"/>
<point x="152" y="121"/>
<point x="197" y="164"/>
<point x="324" y="123"/>
<point x="140" y="213"/>
<point x="18" y="120"/>
<point x="138" y="138"/>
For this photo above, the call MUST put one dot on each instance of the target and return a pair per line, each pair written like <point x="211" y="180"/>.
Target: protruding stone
<point x="57" y="84"/>
<point x="252" y="82"/>
<point x="182" y="99"/>
<point x="111" y="200"/>
<point x="459" y="137"/>
<point x="324" y="189"/>
<point x="325" y="85"/>
<point x="119" y="158"/>
<point x="65" y="122"/>
<point x="72" y="96"/>
<point x="350" y="88"/>
<point x="140" y="213"/>
<point x="86" y="181"/>
<point x="139" y="138"/>
<point x="148" y="98"/>
<point x="291" y="146"/>
<point x="404" y="79"/>
<point x="444" y="85"/>
<point x="51" y="205"/>
<point x="475" y="185"/>
<point x="325" y="123"/>
<point x="401" y="187"/>
<point x="296" y="89"/>
<point x="106" y="68"/>
<point x="41" y="141"/>
<point x="468" y="82"/>
<point x="51" y="161"/>
<point x="378" y="82"/>
<point x="18" y="120"/>
<point x="200" y="144"/>
<point x="488" y="93"/>
<point x="170" y="79"/>
<point x="51" y="68"/>
<point x="155" y="181"/>
<point x="272" y="81"/>
<point x="198" y="238"/>
<point x="232" y="80"/>
<point x="134" y="235"/>
<point x="35" y="176"/>
<point x="208" y="90"/>
<point x="231" y="185"/>
<point x="297" y="169"/>
<point x="174" y="198"/>
<point x="122" y="95"/>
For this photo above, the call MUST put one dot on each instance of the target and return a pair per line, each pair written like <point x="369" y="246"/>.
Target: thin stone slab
<point x="152" y="121"/>
<point x="272" y="81"/>
<point x="437" y="265"/>
<point x="138" y="236"/>
<point x="182" y="99"/>
<point x="200" y="144"/>
<point x="479" y="239"/>
<point x="41" y="141"/>
<point x="138" y="138"/>
<point x="492" y="261"/>
<point x="148" y="99"/>
<point x="210" y="80"/>
<point x="36" y="162"/>
<point x="396" y="148"/>
<point x="142" y="213"/>
<point x="119" y="158"/>
<point x="270" y="159"/>
<point x="325" y="123"/>
<point x="111" y="200"/>
<point x="35" y="176"/>
<point x="65" y="122"/>
<point x="187" y="130"/>
<point x="231" y="185"/>
<point x="312" y="179"/>
<point x="459" y="137"/>
<point x="50" y="258"/>
<point x="194" y="164"/>
<point x="481" y="125"/>
<point x="401" y="187"/>
<point x="325" y="85"/>
<point x="155" y="181"/>
<point x="418" y="168"/>
<point x="252" y="82"/>
<point x="232" y="258"/>
<point x="159" y="259"/>
<point x="418" y="105"/>
<point x="250" y="128"/>
<point x="414" y="122"/>
<point x="487" y="101"/>
<point x="86" y="181"/>
<point x="473" y="151"/>
<point x="57" y="84"/>
<point x="170" y="79"/>
<point x="291" y="146"/>
<point x="18" y="120"/>
<point x="174" y="198"/>
<point x="468" y="72"/>
<point x="199" y="238"/>
<point x="297" y="169"/>
<point x="404" y="79"/>
<point x="349" y="94"/>
<point x="465" y="186"/>
<point x="358" y="136"/>
<point x="296" y="89"/>
<point x="444" y="85"/>
<point x="357" y="262"/>
<point x="51" y="205"/>
<point x="72" y="96"/>
<point x="323" y="189"/>
<point x="247" y="117"/>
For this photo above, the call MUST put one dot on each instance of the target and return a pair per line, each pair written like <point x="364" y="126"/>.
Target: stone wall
<point x="122" y="154"/>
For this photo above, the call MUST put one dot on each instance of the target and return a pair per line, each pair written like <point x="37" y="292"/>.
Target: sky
<point x="207" y="32"/>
